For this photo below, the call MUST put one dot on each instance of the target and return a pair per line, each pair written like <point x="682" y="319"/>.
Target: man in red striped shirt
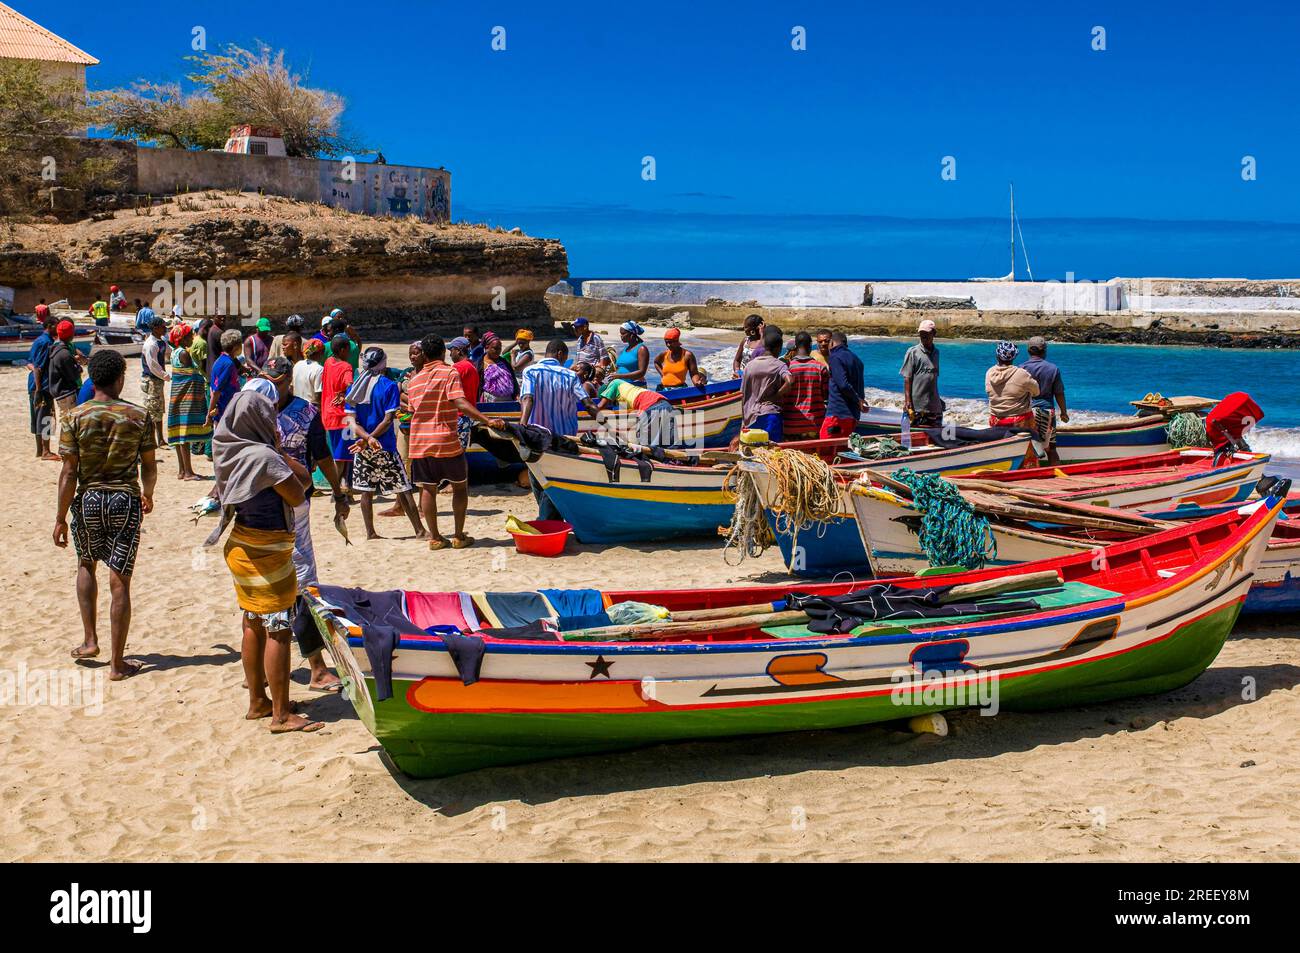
<point x="804" y="405"/>
<point x="436" y="396"/>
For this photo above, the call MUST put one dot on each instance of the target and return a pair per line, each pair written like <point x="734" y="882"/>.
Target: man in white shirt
<point x="307" y="372"/>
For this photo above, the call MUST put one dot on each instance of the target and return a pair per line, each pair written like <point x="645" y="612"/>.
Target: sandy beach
<point x="163" y="767"/>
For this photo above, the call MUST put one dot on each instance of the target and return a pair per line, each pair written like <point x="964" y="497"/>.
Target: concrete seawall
<point x="1220" y="312"/>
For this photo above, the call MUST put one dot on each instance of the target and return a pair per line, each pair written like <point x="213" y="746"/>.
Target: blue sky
<point x="1155" y="126"/>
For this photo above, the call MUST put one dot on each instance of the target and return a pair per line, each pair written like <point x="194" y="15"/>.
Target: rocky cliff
<point x="290" y="257"/>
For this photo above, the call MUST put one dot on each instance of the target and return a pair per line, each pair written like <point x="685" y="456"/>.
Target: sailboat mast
<point x="1012" y="186"/>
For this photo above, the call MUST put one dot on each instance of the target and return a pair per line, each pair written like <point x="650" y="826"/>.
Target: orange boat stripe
<point x="450" y="694"/>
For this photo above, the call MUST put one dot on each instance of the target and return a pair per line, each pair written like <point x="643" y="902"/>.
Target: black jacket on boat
<point x="838" y="614"/>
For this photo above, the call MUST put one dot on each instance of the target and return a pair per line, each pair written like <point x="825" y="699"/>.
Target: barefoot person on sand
<point x="372" y="403"/>
<point x="108" y="479"/>
<point x="259" y="486"/>
<point x="302" y="438"/>
<point x="188" y="428"/>
<point x="437" y="457"/>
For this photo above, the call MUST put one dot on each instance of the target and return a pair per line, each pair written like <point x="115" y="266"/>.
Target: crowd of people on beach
<point x="278" y="414"/>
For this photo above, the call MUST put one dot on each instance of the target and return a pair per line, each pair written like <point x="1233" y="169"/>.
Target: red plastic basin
<point x="550" y="541"/>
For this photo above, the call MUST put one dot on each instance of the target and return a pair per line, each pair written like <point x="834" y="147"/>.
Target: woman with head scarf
<point x="676" y="365"/>
<point x="258" y="486"/>
<point x="372" y="403"/>
<point x="634" y="360"/>
<point x="187" y="405"/>
<point x="498" y="379"/>
<point x="1011" y="390"/>
<point x="521" y="352"/>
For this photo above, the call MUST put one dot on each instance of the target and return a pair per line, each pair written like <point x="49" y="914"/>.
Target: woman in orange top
<point x="677" y="364"/>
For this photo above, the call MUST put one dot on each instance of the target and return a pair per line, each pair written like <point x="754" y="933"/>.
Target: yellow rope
<point x="802" y="493"/>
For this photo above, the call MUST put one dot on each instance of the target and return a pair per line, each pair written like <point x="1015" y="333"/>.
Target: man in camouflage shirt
<point x="108" y="479"/>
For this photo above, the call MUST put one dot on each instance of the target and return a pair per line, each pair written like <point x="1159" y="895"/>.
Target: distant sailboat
<point x="1015" y="227"/>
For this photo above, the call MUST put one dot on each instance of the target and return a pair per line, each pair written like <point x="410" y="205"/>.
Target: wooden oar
<point x="1003" y="585"/>
<point x="722" y="612"/>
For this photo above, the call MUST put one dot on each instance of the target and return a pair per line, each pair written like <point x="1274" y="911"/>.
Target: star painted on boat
<point x="599" y="667"/>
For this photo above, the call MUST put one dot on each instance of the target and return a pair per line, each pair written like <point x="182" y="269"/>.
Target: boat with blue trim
<point x="608" y="500"/>
<point x="445" y="694"/>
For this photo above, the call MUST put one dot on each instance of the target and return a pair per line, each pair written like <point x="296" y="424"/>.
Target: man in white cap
<point x="921" y="401"/>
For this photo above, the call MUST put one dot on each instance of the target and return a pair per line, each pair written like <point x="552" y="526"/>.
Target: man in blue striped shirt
<point x="549" y="396"/>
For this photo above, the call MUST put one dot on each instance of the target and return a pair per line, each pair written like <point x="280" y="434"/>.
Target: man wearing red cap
<point x="42" y="404"/>
<point x="116" y="299"/>
<point x="64" y="377"/>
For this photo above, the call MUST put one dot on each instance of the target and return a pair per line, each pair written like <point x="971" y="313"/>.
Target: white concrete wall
<point x="1201" y="303"/>
<point x="1046" y="297"/>
<point x="772" y="294"/>
<point x="1078" y="297"/>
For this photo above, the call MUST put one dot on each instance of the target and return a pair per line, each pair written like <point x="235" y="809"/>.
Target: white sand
<point x="169" y="770"/>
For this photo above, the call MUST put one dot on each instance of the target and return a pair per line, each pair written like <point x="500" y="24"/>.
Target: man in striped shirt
<point x="804" y="406"/>
<point x="549" y="396"/>
<point x="437" y="458"/>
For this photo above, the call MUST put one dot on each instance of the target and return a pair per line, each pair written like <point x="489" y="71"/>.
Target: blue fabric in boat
<point x="577" y="608"/>
<point x="568" y="623"/>
<point x="569" y="602"/>
<point x="518" y="608"/>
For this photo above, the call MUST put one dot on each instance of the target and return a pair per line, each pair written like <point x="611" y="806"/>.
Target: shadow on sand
<point x="881" y="745"/>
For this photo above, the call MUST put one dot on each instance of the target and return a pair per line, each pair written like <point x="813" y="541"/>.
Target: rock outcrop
<point x="388" y="273"/>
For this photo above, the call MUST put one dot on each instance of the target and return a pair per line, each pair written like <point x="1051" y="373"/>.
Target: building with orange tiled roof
<point x="59" y="60"/>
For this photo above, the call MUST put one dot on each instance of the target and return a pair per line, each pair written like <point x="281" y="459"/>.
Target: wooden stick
<point x="723" y="612"/>
<point x="994" y="587"/>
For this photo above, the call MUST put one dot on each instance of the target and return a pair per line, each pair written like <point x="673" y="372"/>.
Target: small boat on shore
<point x="1111" y="439"/>
<point x="551" y="677"/>
<point x="1157" y="485"/>
<point x="17" y="335"/>
<point x="612" y="501"/>
<point x="1028" y="530"/>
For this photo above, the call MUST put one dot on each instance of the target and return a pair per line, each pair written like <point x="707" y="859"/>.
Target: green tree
<point x="38" y="120"/>
<point x="234" y="87"/>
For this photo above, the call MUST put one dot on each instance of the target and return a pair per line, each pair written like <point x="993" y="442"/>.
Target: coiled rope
<point x="952" y="532"/>
<point x="802" y="493"/>
<point x="1187" y="430"/>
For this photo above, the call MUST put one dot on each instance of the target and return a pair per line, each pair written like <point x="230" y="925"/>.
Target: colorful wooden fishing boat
<point x="889" y="522"/>
<point x="1151" y="620"/>
<point x="16" y="340"/>
<point x="1158" y="484"/>
<point x="710" y="418"/>
<point x="1111" y="439"/>
<point x="683" y="501"/>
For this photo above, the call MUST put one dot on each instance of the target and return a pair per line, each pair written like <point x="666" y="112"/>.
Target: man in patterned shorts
<point x="108" y="479"/>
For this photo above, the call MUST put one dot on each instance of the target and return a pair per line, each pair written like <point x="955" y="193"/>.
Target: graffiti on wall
<point x="387" y="190"/>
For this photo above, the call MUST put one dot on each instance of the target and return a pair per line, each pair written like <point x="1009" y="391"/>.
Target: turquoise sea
<point x="1100" y="380"/>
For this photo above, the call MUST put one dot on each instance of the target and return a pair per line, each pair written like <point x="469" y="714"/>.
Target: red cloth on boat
<point x="1227" y="423"/>
<point x="439" y="608"/>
